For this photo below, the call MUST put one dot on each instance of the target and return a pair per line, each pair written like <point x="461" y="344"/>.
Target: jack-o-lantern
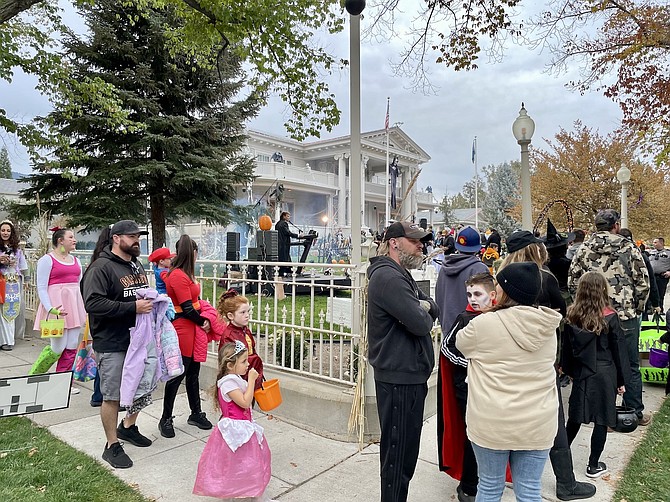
<point x="265" y="222"/>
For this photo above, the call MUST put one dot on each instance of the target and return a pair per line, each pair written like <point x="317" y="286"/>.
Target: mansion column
<point x="342" y="190"/>
<point x="406" y="176"/>
<point x="364" y="167"/>
<point x="414" y="207"/>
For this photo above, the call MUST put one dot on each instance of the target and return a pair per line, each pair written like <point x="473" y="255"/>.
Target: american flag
<point x="386" y="122"/>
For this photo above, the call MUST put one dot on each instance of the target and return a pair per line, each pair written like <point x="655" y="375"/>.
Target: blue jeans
<point x="633" y="395"/>
<point x="526" y="466"/>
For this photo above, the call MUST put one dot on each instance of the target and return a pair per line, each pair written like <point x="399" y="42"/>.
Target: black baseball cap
<point x="127" y="227"/>
<point x="406" y="229"/>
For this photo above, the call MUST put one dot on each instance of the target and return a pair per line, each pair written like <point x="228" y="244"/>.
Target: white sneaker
<point x="74" y="390"/>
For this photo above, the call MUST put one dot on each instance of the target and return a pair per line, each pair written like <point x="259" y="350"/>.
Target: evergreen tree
<point x="180" y="156"/>
<point x="502" y="197"/>
<point x="5" y="164"/>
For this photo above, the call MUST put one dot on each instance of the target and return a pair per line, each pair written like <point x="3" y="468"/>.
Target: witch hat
<point x="553" y="239"/>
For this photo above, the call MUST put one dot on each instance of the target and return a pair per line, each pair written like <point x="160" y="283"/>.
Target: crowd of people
<point x="137" y="331"/>
<point x="521" y="317"/>
<point x="518" y="316"/>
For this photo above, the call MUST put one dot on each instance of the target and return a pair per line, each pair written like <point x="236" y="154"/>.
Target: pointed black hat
<point x="553" y="239"/>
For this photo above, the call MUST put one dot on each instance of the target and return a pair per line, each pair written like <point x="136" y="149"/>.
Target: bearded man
<point x="400" y="319"/>
<point x="108" y="289"/>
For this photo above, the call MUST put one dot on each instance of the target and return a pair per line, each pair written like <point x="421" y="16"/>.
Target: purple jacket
<point x="141" y="369"/>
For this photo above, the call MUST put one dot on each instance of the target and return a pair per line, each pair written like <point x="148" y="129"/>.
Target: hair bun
<point x="232" y="292"/>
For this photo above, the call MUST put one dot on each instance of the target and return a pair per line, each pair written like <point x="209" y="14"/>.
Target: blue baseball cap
<point x="468" y="240"/>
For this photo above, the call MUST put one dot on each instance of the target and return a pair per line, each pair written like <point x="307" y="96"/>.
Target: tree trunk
<point x="158" y="220"/>
<point x="12" y="8"/>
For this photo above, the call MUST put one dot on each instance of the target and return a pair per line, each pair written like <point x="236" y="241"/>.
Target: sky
<point x="482" y="103"/>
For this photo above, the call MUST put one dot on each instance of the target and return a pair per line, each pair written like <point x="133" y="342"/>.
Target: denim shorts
<point x="110" y="369"/>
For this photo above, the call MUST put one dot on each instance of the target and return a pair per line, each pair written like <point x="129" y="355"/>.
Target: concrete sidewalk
<point x="305" y="467"/>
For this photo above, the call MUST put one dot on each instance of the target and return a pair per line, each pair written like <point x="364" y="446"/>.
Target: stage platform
<point x="300" y="284"/>
<point x="322" y="283"/>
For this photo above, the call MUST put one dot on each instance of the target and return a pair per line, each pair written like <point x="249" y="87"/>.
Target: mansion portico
<point x="316" y="179"/>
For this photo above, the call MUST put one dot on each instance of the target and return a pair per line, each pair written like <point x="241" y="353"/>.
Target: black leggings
<point x="192" y="375"/>
<point x="598" y="438"/>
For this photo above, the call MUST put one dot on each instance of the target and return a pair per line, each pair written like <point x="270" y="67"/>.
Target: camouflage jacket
<point x="621" y="263"/>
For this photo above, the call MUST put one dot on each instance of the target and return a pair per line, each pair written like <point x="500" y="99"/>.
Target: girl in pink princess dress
<point x="236" y="461"/>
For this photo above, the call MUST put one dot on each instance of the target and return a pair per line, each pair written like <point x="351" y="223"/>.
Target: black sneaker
<point x="166" y="427"/>
<point x="200" y="421"/>
<point x="596" y="472"/>
<point x="116" y="457"/>
<point x="464" y="497"/>
<point x="132" y="435"/>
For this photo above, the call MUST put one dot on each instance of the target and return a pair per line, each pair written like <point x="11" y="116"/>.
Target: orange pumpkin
<point x="265" y="222"/>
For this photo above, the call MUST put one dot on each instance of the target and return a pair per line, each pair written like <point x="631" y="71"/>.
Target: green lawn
<point x="301" y="302"/>
<point x="647" y="476"/>
<point x="36" y="466"/>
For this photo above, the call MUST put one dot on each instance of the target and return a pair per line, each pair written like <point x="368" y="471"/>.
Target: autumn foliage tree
<point x="627" y="40"/>
<point x="580" y="167"/>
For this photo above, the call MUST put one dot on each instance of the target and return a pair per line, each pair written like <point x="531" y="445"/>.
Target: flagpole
<point x="387" y="201"/>
<point x="474" y="151"/>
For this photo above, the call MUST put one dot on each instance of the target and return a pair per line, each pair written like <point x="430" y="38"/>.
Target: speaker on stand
<point x="233" y="248"/>
<point x="267" y="242"/>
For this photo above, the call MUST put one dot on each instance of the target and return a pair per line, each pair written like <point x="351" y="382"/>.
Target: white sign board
<point x="34" y="393"/>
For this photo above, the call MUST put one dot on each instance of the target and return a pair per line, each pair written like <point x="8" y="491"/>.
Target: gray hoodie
<point x="450" y="288"/>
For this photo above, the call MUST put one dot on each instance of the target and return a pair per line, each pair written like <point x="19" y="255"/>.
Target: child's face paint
<point x="478" y="298"/>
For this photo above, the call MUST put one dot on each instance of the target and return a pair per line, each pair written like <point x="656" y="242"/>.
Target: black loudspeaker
<point x="268" y="240"/>
<point x="423" y="223"/>
<point x="233" y="243"/>
<point x="252" y="254"/>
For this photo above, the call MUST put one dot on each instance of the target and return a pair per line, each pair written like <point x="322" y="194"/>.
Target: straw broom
<point x="44" y="241"/>
<point x="357" y="414"/>
<point x="404" y="197"/>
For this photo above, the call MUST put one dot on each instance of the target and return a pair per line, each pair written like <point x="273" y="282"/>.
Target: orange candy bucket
<point x="268" y="396"/>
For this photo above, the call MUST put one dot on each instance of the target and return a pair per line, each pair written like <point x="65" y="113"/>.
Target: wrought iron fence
<point x="307" y="323"/>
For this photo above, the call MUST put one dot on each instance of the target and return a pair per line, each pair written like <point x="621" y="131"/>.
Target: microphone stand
<point x="296" y="226"/>
<point x="258" y="203"/>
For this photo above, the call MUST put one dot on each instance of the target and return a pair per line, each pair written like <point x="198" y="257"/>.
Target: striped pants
<point x="400" y="409"/>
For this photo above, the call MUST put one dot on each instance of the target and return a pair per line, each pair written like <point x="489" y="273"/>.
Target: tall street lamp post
<point x="354" y="8"/>
<point x="523" y="129"/>
<point x="623" y="175"/>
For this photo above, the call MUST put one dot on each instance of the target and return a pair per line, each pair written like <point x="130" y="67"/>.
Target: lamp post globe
<point x="523" y="129"/>
<point x="354" y="7"/>
<point x="623" y="175"/>
<point x="524" y="126"/>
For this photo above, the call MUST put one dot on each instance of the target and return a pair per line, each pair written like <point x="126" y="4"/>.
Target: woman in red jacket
<point x="184" y="292"/>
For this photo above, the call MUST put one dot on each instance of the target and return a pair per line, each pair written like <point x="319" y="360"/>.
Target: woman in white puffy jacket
<point x="512" y="400"/>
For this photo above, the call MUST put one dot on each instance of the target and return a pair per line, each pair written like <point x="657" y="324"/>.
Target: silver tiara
<point x="239" y="347"/>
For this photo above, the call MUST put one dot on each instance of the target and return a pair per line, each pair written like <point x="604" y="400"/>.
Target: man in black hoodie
<point x="400" y="319"/>
<point x="108" y="288"/>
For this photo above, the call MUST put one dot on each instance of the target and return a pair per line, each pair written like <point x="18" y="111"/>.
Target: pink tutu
<point x="240" y="465"/>
<point x="223" y="473"/>
<point x="69" y="296"/>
